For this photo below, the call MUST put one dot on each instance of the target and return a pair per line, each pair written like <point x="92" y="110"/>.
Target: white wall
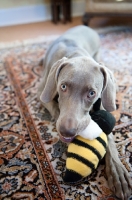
<point x="13" y="12"/>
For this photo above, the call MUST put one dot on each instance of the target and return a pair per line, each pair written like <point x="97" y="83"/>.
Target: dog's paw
<point x="119" y="179"/>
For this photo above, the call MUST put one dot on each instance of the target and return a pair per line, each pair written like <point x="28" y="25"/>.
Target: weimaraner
<point x="72" y="82"/>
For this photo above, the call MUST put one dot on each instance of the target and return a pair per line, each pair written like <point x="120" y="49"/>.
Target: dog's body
<point x="71" y="72"/>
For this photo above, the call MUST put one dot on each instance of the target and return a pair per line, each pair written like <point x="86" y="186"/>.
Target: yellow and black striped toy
<point x="83" y="154"/>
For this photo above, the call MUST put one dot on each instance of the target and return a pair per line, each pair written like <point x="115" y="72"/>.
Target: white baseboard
<point x="35" y="13"/>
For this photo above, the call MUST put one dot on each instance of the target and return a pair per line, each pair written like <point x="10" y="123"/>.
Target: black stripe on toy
<point x="83" y="144"/>
<point x="101" y="141"/>
<point x="71" y="175"/>
<point x="81" y="159"/>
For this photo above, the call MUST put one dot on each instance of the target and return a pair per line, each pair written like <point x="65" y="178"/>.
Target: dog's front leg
<point x="118" y="177"/>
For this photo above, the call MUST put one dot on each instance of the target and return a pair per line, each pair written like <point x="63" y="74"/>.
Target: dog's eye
<point x="63" y="87"/>
<point x="91" y="94"/>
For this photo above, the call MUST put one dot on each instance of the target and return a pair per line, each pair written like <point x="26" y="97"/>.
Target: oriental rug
<point x="32" y="158"/>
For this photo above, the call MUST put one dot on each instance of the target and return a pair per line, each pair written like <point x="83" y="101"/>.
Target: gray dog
<point x="72" y="82"/>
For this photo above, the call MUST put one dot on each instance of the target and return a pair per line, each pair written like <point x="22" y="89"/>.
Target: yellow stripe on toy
<point x="83" y="157"/>
<point x="81" y="168"/>
<point x="85" y="152"/>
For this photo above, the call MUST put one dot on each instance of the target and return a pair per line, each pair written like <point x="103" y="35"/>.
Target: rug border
<point x="17" y="89"/>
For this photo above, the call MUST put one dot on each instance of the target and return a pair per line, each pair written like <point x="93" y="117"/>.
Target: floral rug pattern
<point x="32" y="158"/>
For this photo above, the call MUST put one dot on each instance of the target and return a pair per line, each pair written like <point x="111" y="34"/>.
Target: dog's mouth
<point x="66" y="139"/>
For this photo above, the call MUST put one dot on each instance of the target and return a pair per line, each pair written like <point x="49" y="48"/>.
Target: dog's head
<point x="79" y="82"/>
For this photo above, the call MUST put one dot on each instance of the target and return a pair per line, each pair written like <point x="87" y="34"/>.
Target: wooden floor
<point x="26" y="31"/>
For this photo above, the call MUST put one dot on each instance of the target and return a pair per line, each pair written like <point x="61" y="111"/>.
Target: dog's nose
<point x="67" y="132"/>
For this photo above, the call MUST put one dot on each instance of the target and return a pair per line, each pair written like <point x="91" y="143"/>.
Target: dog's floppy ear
<point x="109" y="90"/>
<point x="50" y="90"/>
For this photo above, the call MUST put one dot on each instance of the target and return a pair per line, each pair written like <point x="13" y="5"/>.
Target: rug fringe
<point x="112" y="29"/>
<point x="18" y="43"/>
<point x="40" y="39"/>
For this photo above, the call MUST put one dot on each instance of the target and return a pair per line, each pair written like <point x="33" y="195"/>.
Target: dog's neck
<point x="77" y="52"/>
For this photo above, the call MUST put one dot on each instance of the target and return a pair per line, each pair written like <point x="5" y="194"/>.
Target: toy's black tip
<point x="105" y="120"/>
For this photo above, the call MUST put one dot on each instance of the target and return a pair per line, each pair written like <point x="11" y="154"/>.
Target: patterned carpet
<point x="32" y="158"/>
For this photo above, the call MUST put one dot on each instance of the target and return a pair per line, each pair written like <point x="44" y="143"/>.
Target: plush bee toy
<point x="85" y="152"/>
